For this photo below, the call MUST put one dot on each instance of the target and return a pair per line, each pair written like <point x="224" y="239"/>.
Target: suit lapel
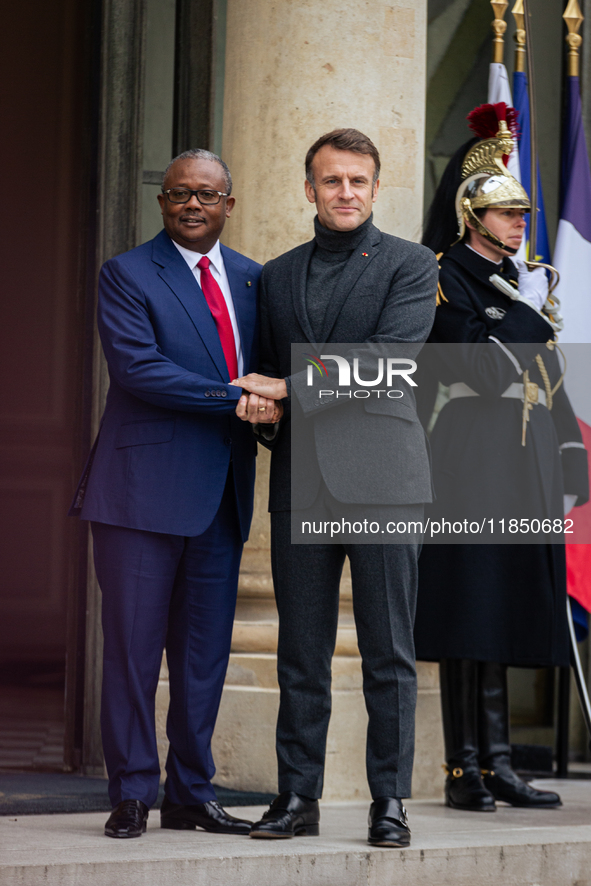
<point x="299" y="276"/>
<point x="359" y="262"/>
<point x="177" y="275"/>
<point x="243" y="298"/>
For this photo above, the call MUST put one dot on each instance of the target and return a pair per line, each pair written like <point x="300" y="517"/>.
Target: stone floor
<point x="512" y="847"/>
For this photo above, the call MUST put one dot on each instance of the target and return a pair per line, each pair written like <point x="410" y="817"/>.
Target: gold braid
<point x="439" y="298"/>
<point x="550" y="391"/>
<point x="546" y="380"/>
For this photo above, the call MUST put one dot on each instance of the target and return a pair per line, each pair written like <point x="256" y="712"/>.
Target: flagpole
<point x="519" y="36"/>
<point x="533" y="222"/>
<point x="499" y="27"/>
<point x="574" y="19"/>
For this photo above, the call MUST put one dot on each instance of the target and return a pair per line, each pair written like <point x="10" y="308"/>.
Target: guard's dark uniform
<point x="482" y="607"/>
<point x="496" y="603"/>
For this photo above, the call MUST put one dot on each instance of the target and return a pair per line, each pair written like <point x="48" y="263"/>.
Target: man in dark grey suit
<point x="351" y="283"/>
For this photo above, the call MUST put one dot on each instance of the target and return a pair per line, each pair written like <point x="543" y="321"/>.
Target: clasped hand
<point x="262" y="402"/>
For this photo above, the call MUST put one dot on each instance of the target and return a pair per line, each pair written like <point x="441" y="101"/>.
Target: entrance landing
<point x="512" y="847"/>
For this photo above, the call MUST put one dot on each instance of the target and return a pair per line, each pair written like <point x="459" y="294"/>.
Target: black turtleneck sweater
<point x="332" y="250"/>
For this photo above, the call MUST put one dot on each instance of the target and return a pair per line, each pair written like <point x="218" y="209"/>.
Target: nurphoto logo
<point x="386" y="370"/>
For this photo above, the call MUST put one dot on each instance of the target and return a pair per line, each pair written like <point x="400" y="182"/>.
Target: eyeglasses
<point x="204" y="196"/>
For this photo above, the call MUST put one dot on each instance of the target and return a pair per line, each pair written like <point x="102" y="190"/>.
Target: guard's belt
<point x="513" y="392"/>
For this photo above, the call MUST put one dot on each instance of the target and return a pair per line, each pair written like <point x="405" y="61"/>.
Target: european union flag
<point x="521" y="104"/>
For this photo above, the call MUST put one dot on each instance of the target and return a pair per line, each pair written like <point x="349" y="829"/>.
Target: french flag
<point x="500" y="91"/>
<point x="572" y="254"/>
<point x="572" y="258"/>
<point x="541" y="252"/>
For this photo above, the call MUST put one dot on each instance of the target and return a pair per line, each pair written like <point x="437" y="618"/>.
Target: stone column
<point x="293" y="71"/>
<point x="118" y="212"/>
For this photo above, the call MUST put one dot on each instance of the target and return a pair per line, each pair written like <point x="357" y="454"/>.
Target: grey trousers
<point x="306" y="580"/>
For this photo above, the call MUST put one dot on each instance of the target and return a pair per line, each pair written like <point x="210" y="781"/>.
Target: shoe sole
<point x="126" y="836"/>
<point x="181" y="825"/>
<point x="451" y="805"/>
<point x="311" y="830"/>
<point x="391" y="844"/>
<point x="531" y="805"/>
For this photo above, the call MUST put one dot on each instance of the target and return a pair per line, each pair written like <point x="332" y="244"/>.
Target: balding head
<point x="200" y="154"/>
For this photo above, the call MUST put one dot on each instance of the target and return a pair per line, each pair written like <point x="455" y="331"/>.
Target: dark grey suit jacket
<point x="385" y="295"/>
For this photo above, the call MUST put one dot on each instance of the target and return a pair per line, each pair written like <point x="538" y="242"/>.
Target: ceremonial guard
<point x="507" y="430"/>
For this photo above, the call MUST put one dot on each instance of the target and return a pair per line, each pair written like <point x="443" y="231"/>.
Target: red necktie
<point x="219" y="312"/>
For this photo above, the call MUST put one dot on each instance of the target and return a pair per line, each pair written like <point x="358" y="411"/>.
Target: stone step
<point x="513" y="847"/>
<point x="260" y="669"/>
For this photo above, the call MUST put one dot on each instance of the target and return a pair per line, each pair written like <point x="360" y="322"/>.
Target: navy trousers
<point x="165" y="590"/>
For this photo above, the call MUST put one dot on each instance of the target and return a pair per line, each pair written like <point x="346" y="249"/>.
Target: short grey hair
<point x="202" y="154"/>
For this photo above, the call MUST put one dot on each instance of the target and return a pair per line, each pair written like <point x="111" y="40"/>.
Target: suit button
<point x="228" y="441"/>
<point x="217" y="393"/>
<point x="224" y="393"/>
<point x="208" y="393"/>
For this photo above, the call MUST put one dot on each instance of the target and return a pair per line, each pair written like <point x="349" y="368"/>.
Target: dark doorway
<point x="44" y="154"/>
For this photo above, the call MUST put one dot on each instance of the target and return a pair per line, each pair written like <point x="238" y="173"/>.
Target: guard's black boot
<point x="495" y="750"/>
<point x="464" y="788"/>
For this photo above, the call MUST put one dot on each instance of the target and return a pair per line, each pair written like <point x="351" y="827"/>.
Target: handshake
<point x="261" y="402"/>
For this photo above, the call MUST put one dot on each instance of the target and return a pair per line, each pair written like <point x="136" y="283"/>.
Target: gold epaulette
<point x="440" y="298"/>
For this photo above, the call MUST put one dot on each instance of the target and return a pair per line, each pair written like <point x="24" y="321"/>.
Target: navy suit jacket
<point x="169" y="431"/>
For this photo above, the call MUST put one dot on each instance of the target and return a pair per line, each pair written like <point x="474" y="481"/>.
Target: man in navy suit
<point x="169" y="490"/>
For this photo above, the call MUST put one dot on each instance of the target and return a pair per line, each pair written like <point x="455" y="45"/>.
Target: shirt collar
<point x="214" y="255"/>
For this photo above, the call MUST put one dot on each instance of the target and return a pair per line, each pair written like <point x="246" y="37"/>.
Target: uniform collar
<point x="491" y="260"/>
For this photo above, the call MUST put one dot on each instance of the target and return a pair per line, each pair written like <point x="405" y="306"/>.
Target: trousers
<point x="170" y="591"/>
<point x="306" y="580"/>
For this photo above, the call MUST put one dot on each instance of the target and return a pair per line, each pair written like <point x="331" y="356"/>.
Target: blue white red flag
<point x="572" y="259"/>
<point x="572" y="256"/>
<point x="500" y="91"/>
<point x="521" y="105"/>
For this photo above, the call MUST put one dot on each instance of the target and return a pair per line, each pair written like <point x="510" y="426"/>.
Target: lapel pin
<point x="365" y="254"/>
<point x="248" y="283"/>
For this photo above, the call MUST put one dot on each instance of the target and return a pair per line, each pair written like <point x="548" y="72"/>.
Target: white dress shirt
<point x="218" y="271"/>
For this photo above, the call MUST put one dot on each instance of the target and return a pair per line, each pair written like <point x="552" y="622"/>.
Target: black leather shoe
<point x="506" y="786"/>
<point x="210" y="816"/>
<point x="128" y="819"/>
<point x="388" y="824"/>
<point x="464" y="789"/>
<point x="289" y="815"/>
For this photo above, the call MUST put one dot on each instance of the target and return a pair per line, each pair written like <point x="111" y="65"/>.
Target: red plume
<point x="484" y="120"/>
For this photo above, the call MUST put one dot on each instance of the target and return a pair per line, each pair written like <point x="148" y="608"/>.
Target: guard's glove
<point x="533" y="285"/>
<point x="552" y="308"/>
<point x="508" y="289"/>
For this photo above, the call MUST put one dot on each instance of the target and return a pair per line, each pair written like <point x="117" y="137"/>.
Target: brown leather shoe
<point x="128" y="819"/>
<point x="209" y="816"/>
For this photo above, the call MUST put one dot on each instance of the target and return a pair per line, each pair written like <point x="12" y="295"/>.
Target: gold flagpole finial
<point x="519" y="36"/>
<point x="574" y="19"/>
<point x="499" y="27"/>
